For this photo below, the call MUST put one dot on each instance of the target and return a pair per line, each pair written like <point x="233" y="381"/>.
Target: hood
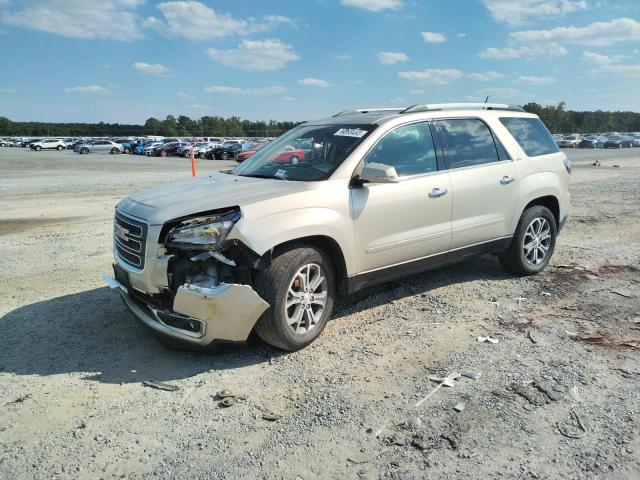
<point x="188" y="197"/>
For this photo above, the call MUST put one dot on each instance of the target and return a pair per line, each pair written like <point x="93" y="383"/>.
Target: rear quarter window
<point x="531" y="135"/>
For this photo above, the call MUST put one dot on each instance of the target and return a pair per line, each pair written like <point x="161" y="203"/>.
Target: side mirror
<point x="379" y="173"/>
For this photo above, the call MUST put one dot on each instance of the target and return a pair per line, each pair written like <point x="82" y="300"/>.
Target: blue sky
<point x="127" y="60"/>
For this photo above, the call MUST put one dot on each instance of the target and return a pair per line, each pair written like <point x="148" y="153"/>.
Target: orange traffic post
<point x="193" y="163"/>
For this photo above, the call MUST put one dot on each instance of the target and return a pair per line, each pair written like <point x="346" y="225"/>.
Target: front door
<point x="396" y="223"/>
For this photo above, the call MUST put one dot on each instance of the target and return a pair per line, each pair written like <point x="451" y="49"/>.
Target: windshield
<point x="305" y="153"/>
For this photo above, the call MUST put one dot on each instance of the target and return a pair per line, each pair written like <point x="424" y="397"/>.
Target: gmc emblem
<point x="122" y="233"/>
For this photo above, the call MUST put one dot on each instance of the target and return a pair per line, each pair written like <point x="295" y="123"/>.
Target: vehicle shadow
<point x="484" y="267"/>
<point x="92" y="334"/>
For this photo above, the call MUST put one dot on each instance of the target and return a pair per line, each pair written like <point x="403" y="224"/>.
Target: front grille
<point x="129" y="237"/>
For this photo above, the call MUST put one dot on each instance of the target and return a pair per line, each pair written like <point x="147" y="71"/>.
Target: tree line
<point x="560" y="120"/>
<point x="557" y="118"/>
<point x="183" y="126"/>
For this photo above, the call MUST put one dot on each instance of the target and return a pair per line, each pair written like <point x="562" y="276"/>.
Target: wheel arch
<point x="549" y="201"/>
<point x="327" y="245"/>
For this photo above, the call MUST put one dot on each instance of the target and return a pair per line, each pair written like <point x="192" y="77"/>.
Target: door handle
<point x="507" y="180"/>
<point x="437" y="192"/>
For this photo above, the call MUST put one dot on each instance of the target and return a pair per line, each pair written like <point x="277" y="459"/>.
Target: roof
<point x="367" y="116"/>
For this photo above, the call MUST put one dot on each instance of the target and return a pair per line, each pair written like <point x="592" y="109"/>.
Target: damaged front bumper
<point x="200" y="315"/>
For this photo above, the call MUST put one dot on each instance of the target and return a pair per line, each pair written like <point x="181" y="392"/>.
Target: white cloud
<point x="434" y="76"/>
<point x="152" y="69"/>
<point x="595" y="34"/>
<point x="199" y="106"/>
<point x="314" y="82"/>
<point x="598" y="58"/>
<point x="489" y="76"/>
<point x="115" y="20"/>
<point x="461" y="35"/>
<point x="92" y="89"/>
<point x="391" y="58"/>
<point x="398" y="101"/>
<point x="433" y="37"/>
<point x="196" y="21"/>
<point x="417" y="91"/>
<point x="527" y="51"/>
<point x="374" y="5"/>
<point x="531" y="80"/>
<point x="260" y="91"/>
<point x="517" y="12"/>
<point x="256" y="55"/>
<point x="629" y="71"/>
<point x="289" y="99"/>
<point x="186" y="96"/>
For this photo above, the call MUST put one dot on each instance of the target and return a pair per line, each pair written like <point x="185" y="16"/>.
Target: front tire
<point x="224" y="156"/>
<point x="59" y="148"/>
<point x="114" y="151"/>
<point x="299" y="286"/>
<point x="533" y="244"/>
<point x="84" y="151"/>
<point x="38" y="148"/>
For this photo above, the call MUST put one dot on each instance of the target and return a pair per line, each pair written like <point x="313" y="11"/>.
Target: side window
<point x="531" y="135"/>
<point x="468" y="142"/>
<point x="409" y="149"/>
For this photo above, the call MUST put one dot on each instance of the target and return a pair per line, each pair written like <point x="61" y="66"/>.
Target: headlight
<point x="203" y="233"/>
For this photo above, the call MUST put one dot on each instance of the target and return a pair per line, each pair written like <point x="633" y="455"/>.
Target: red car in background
<point x="293" y="155"/>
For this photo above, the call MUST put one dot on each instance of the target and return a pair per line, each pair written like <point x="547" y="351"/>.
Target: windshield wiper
<point x="258" y="175"/>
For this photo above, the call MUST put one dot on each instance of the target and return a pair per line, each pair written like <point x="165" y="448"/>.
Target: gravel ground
<point x="548" y="404"/>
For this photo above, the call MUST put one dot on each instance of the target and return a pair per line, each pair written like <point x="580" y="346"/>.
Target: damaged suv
<point x="376" y="195"/>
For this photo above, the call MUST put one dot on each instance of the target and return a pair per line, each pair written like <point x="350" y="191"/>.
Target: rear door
<point x="400" y="222"/>
<point x="483" y="181"/>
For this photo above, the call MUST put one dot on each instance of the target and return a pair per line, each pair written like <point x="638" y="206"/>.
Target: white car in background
<point x="48" y="144"/>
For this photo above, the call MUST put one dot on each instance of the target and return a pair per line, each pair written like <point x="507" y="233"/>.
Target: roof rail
<point x="367" y="110"/>
<point x="462" y="106"/>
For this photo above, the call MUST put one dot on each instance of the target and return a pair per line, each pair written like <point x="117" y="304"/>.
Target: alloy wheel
<point x="537" y="241"/>
<point x="306" y="299"/>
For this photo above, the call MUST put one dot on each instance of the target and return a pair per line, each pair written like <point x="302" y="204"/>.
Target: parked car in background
<point x="636" y="141"/>
<point x="618" y="142"/>
<point x="168" y="149"/>
<point x="223" y="152"/>
<point x="588" y="142"/>
<point x="99" y="146"/>
<point x="48" y="144"/>
<point x="291" y="155"/>
<point x="569" y="141"/>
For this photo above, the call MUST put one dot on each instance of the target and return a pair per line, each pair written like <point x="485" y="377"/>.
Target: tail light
<point x="567" y="165"/>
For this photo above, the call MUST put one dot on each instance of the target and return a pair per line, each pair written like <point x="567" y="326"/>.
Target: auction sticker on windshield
<point x="351" y="132"/>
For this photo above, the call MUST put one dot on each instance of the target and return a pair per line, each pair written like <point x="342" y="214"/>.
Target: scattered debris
<point x="412" y="422"/>
<point x="615" y="166"/>
<point x="596" y="163"/>
<point x="545" y="294"/>
<point x="160" y="385"/>
<point x="472" y="375"/>
<point x="533" y="336"/>
<point x="520" y="300"/>
<point x="487" y="339"/>
<point x="572" y="434"/>
<point x="460" y="405"/>
<point x="623" y="293"/>
<point x="20" y="399"/>
<point x="225" y="394"/>
<point x="605" y="341"/>
<point x="228" y="401"/>
<point x="379" y="431"/>
<point x="443" y="382"/>
<point x="370" y="459"/>
<point x="270" y="417"/>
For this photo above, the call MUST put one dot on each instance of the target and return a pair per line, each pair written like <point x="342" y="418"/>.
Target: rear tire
<point x="59" y="148"/>
<point x="38" y="148"/>
<point x="533" y="244"/>
<point x="163" y="153"/>
<point x="114" y="151"/>
<point x="284" y="282"/>
<point x="224" y="156"/>
<point x="202" y="156"/>
<point x="84" y="151"/>
<point x="294" y="160"/>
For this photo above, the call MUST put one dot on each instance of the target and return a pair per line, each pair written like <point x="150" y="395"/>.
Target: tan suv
<point x="372" y="195"/>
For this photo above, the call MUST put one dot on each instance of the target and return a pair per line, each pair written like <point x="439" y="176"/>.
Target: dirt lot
<point x="548" y="404"/>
